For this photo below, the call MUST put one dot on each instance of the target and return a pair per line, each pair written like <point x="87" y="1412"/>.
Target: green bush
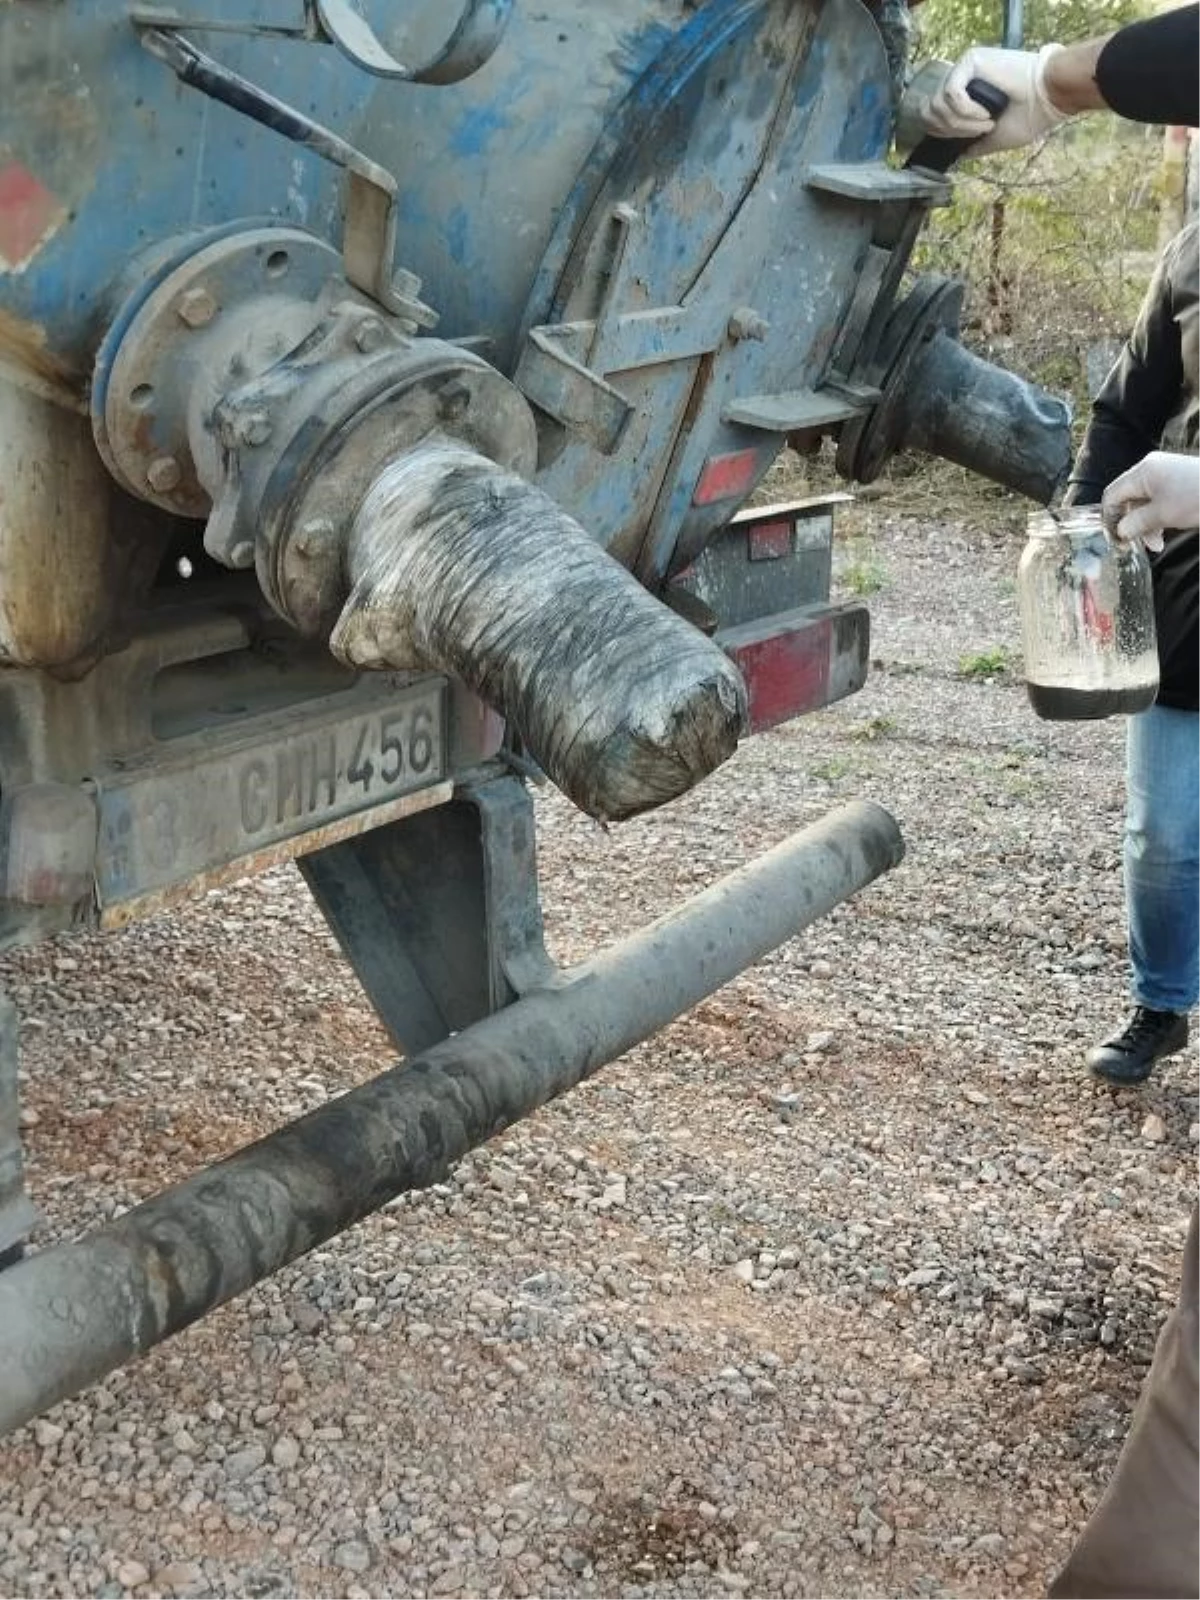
<point x="948" y="27"/>
<point x="1056" y="246"/>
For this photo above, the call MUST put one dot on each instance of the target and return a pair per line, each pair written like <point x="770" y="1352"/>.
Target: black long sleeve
<point x="1148" y="386"/>
<point x="1149" y="402"/>
<point x="1149" y="71"/>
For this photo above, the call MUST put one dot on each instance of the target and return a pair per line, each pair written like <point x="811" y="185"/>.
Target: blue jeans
<point x="1162" y="847"/>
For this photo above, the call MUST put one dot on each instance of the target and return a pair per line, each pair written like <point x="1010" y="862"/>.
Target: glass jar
<point x="1087" y="619"/>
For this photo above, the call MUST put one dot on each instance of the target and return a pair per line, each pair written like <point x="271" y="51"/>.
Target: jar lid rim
<point x="1074" y="520"/>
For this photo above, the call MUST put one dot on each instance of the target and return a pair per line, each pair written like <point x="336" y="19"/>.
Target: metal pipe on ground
<point x="74" y="1312"/>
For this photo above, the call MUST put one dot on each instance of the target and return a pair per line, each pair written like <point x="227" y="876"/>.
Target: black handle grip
<point x="939" y="155"/>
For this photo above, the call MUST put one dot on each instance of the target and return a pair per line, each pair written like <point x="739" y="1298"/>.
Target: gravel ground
<point x="843" y="1285"/>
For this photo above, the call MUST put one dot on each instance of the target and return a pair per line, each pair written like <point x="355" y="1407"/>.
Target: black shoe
<point x="1129" y="1056"/>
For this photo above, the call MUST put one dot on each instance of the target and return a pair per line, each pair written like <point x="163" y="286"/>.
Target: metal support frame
<point x="17" y="1212"/>
<point x="439" y="914"/>
<point x="74" y="1312"/>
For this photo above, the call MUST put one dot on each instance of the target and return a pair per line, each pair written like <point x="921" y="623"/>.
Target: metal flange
<point x="351" y="430"/>
<point x="202" y="323"/>
<point x="866" y="444"/>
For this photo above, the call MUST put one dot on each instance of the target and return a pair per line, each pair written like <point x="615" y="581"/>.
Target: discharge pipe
<point x="462" y="567"/>
<point x="969" y="411"/>
<point x="74" y="1312"/>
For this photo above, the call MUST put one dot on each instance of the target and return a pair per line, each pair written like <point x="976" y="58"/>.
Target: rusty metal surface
<point x="75" y="1311"/>
<point x="197" y="808"/>
<point x="164" y="734"/>
<point x="338" y="426"/>
<point x="26" y="359"/>
<point x="215" y="309"/>
<point x="62" y="573"/>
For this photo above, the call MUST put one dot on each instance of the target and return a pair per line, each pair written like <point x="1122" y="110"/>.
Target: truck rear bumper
<point x="798" y="661"/>
<point x="765" y="581"/>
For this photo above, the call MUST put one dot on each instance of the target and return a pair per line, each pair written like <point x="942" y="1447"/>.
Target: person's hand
<point x="1162" y="491"/>
<point x="950" y="113"/>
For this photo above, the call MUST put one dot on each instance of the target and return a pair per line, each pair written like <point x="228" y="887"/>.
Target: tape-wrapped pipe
<point x="459" y="566"/>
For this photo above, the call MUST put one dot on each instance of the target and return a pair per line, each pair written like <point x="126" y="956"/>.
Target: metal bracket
<point x="796" y="409"/>
<point x="875" y="183"/>
<point x="369" y="229"/>
<point x="570" y="392"/>
<point x="439" y="915"/>
<point x="573" y="390"/>
<point x="476" y="35"/>
<point x="474" y="40"/>
<point x="514" y="913"/>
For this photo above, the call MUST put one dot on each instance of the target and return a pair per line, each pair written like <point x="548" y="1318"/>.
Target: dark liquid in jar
<point x="1057" y="704"/>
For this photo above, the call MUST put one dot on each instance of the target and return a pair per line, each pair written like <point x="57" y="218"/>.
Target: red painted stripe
<point x="28" y="212"/>
<point x="726" y="477"/>
<point x="769" y="541"/>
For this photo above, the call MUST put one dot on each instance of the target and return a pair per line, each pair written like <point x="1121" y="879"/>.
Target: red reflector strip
<point x="769" y="541"/>
<point x="786" y="673"/>
<point x="725" y="477"/>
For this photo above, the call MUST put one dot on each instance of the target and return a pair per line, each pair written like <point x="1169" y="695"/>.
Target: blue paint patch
<point x="171" y="162"/>
<point x="457" y="224"/>
<point x="477" y="128"/>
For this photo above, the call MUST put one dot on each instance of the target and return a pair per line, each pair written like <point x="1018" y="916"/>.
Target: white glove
<point x="950" y="113"/>
<point x="1162" y="491"/>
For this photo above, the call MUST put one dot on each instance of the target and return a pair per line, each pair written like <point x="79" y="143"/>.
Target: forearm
<point x="1070" y="77"/>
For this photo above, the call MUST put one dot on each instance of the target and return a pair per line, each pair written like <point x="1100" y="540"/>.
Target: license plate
<point x="211" y="804"/>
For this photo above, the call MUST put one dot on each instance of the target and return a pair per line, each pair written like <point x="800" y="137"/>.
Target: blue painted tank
<point x="683" y="111"/>
<point x="632" y="176"/>
<point x="670" y="227"/>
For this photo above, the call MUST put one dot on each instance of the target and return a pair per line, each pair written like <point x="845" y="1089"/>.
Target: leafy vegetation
<point x="948" y="27"/>
<point x="862" y="573"/>
<point x="872" y="729"/>
<point x="991" y="663"/>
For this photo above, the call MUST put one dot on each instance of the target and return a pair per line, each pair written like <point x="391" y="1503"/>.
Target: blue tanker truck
<point x="381" y="390"/>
